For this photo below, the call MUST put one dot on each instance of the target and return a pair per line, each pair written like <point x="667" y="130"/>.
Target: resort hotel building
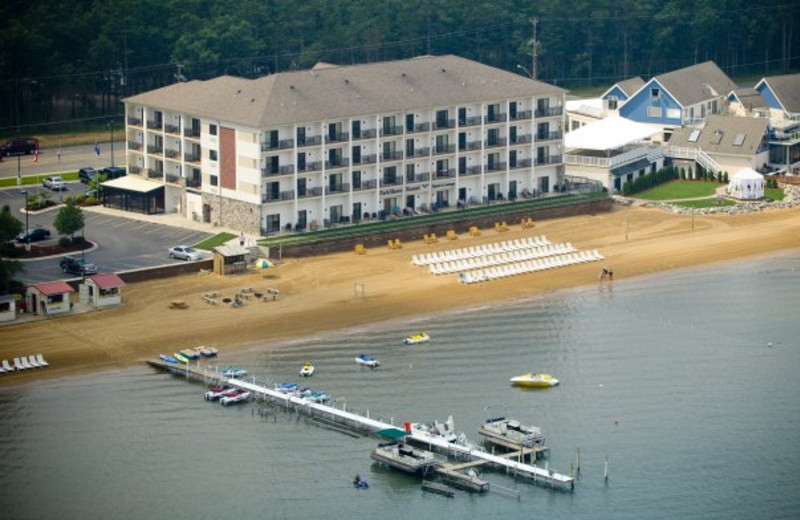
<point x="338" y="144"/>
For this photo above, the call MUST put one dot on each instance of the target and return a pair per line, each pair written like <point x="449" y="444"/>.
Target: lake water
<point x="687" y="382"/>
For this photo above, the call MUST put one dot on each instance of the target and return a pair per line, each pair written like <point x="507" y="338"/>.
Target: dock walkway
<point x="371" y="426"/>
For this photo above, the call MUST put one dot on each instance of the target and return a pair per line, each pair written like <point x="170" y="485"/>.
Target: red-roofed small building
<point x="102" y="290"/>
<point x="49" y="298"/>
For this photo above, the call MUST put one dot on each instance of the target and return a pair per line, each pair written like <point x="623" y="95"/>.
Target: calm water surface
<point x="687" y="382"/>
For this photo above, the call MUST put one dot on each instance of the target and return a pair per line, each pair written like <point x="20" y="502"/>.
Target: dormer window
<point x="612" y="102"/>
<point x="655" y="94"/>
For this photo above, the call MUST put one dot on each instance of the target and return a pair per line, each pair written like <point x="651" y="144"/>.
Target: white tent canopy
<point x="746" y="184"/>
<point x="608" y="134"/>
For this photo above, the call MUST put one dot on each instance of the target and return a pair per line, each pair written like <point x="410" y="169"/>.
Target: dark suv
<point x="72" y="265"/>
<point x="19" y="146"/>
<point x="86" y="175"/>
<point x="113" y="172"/>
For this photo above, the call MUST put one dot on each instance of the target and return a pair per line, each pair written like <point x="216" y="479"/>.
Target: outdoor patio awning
<point x="608" y="134"/>
<point x="133" y="183"/>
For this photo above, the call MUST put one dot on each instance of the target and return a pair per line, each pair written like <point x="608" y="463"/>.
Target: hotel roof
<point x="331" y="92"/>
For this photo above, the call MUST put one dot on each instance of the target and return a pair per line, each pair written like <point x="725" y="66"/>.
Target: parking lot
<point x="122" y="243"/>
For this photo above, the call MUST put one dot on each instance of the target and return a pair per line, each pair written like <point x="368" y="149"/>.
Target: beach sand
<point x="318" y="294"/>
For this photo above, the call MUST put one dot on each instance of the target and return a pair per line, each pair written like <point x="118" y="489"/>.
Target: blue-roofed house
<point x="679" y="98"/>
<point x="747" y="102"/>
<point x="782" y="94"/>
<point x="619" y="93"/>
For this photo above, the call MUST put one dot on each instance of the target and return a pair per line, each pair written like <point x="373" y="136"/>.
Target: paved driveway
<point x="122" y="243"/>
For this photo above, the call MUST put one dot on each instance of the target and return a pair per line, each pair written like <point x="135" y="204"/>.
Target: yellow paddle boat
<point x="534" y="380"/>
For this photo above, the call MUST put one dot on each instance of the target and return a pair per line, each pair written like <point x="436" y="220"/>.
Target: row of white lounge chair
<point x="529" y="266"/>
<point x="463" y="253"/>
<point x="23" y="363"/>
<point x="501" y="258"/>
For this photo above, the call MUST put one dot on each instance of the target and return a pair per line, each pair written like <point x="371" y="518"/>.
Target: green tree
<point x="10" y="226"/>
<point x="69" y="219"/>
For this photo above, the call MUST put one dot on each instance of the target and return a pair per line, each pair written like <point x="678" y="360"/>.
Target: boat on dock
<point x="534" y="380"/>
<point x="168" y="359"/>
<point x="510" y="433"/>
<point x="420" y="337"/>
<point x="307" y="370"/>
<point x="190" y="353"/>
<point x="180" y="357"/>
<point x="399" y="455"/>
<point x="240" y="396"/>
<point x="206" y="351"/>
<point x="317" y="397"/>
<point x="218" y="392"/>
<point x="234" y="372"/>
<point x="286" y="388"/>
<point x="367" y="361"/>
<point x="425" y="432"/>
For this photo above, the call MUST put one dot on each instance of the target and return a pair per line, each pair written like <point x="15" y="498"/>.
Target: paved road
<point x="71" y="158"/>
<point x="122" y="243"/>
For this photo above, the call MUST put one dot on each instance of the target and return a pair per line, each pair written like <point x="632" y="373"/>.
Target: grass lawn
<point x="32" y="180"/>
<point x="774" y="193"/>
<point x="679" y="189"/>
<point x="708" y="203"/>
<point x="212" y="242"/>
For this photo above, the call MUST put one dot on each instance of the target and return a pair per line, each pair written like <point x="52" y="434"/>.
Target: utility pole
<point x="535" y="45"/>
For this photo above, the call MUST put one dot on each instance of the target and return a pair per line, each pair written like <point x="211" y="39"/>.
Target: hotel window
<point x="653" y="111"/>
<point x="212" y="154"/>
<point x="655" y="93"/>
<point x="214" y="180"/>
<point x="212" y="129"/>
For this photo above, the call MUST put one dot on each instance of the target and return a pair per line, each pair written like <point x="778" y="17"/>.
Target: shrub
<point x="645" y="182"/>
<point x="78" y="239"/>
<point x="64" y="242"/>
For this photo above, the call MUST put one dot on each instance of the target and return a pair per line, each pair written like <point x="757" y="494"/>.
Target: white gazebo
<point x="746" y="184"/>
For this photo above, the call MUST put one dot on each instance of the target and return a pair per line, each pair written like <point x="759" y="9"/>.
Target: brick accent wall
<point x="227" y="157"/>
<point x="234" y="214"/>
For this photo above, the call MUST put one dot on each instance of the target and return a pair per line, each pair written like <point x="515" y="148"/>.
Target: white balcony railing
<point x="610" y="162"/>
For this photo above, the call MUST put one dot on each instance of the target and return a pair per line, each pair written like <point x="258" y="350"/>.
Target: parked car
<point x="33" y="235"/>
<point x="80" y="266"/>
<point x="19" y="146"/>
<point x="86" y="175"/>
<point x="185" y="253"/>
<point x="90" y="194"/>
<point x="113" y="172"/>
<point x="56" y="183"/>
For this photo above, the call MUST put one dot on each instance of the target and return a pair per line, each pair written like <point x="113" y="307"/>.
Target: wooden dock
<point x="371" y="426"/>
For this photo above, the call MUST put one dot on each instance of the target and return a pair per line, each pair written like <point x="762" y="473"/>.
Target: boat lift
<point x="371" y="426"/>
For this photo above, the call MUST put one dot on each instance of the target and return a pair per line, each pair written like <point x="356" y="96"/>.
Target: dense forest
<point x="73" y="61"/>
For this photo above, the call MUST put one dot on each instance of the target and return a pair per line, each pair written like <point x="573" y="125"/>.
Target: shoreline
<point x="318" y="293"/>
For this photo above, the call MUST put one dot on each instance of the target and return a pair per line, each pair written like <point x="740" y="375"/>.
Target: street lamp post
<point x="111" y="125"/>
<point x="525" y="70"/>
<point x="27" y="238"/>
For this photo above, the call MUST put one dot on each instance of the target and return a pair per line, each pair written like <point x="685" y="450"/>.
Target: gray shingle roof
<point x="331" y="92"/>
<point x="753" y="129"/>
<point x="631" y="85"/>
<point x="787" y="88"/>
<point x="750" y="98"/>
<point x="691" y="85"/>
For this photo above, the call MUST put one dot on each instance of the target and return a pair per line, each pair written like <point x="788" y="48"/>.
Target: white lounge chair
<point x="2" y="370"/>
<point x="33" y="362"/>
<point x="18" y="365"/>
<point x="7" y="367"/>
<point x="41" y="360"/>
<point x="24" y="362"/>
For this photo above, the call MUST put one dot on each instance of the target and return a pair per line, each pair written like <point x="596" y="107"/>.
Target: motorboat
<point x="235" y="372"/>
<point x="238" y="397"/>
<point x="168" y="359"/>
<point x="317" y="397"/>
<point x="445" y="431"/>
<point x="420" y="337"/>
<point x="206" y="351"/>
<point x="534" y="380"/>
<point x="307" y="370"/>
<point x="367" y="361"/>
<point x="286" y="388"/>
<point x="180" y="357"/>
<point x="190" y="353"/>
<point x="401" y="456"/>
<point x="217" y="392"/>
<point x="510" y="433"/>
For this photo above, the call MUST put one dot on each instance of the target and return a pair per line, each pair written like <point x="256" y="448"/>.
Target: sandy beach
<point x="318" y="294"/>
